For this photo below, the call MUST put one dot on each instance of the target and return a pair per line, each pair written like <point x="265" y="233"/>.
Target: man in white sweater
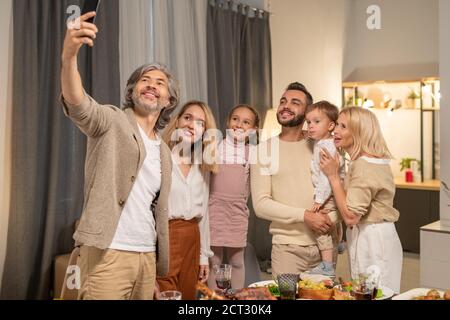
<point x="282" y="191"/>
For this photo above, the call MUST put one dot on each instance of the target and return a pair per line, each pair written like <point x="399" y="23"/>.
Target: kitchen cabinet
<point x="418" y="207"/>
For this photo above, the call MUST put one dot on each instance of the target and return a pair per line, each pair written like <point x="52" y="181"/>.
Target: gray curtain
<point x="239" y="59"/>
<point x="179" y="28"/>
<point x="47" y="150"/>
<point x="136" y="37"/>
<point x="240" y="71"/>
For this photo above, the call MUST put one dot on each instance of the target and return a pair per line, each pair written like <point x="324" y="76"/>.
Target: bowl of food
<point x="308" y="289"/>
<point x="353" y="289"/>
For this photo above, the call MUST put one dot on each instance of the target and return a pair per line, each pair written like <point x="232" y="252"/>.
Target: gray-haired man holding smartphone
<point x="123" y="244"/>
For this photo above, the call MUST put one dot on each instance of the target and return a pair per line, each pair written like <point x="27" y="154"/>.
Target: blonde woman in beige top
<point x="365" y="201"/>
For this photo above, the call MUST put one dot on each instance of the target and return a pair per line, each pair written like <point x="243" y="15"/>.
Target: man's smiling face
<point x="291" y="111"/>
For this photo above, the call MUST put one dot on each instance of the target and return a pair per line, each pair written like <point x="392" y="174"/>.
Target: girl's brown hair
<point x="255" y="113"/>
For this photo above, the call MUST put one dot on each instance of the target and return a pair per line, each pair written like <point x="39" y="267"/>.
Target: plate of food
<point x="270" y="284"/>
<point x="314" y="277"/>
<point x="423" y="294"/>
<point x="346" y="287"/>
<point x="265" y="283"/>
<point x="254" y="293"/>
<point x="386" y="293"/>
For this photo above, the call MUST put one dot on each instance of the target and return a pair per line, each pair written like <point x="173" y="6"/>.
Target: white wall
<point x="321" y="43"/>
<point x="5" y="121"/>
<point x="308" y="46"/>
<point x="403" y="141"/>
<point x="444" y="41"/>
<point x="408" y="37"/>
<point x="406" y="47"/>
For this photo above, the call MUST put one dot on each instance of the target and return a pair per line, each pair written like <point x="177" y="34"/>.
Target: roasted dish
<point x="253" y="294"/>
<point x="342" y="295"/>
<point x="207" y="293"/>
<point x="261" y="293"/>
<point x="434" y="294"/>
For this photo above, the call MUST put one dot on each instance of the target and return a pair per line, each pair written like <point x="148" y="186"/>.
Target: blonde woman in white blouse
<point x="187" y="137"/>
<point x="366" y="200"/>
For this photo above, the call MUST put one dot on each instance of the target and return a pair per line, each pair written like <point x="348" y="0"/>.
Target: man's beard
<point x="297" y="121"/>
<point x="145" y="107"/>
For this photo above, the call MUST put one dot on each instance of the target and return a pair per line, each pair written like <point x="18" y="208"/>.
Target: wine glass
<point x="222" y="274"/>
<point x="170" y="295"/>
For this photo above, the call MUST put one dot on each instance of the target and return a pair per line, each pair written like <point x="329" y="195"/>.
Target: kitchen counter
<point x="418" y="204"/>
<point x="436" y="227"/>
<point x="430" y="185"/>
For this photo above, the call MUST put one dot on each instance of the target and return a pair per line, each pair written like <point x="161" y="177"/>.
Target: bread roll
<point x="434" y="294"/>
<point x="447" y="295"/>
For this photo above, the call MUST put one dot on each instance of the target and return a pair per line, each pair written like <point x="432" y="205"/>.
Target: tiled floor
<point x="410" y="273"/>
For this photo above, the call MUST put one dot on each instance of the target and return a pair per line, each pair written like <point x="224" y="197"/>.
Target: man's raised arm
<point x="78" y="33"/>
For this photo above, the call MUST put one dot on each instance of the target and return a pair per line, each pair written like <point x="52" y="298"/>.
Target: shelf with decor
<point x="408" y="111"/>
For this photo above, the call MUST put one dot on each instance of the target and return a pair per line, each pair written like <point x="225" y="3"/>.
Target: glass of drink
<point x="222" y="274"/>
<point x="363" y="289"/>
<point x="287" y="284"/>
<point x="170" y="295"/>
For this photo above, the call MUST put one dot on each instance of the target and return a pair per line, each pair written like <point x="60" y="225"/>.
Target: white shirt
<point x="322" y="188"/>
<point x="376" y="160"/>
<point x="136" y="230"/>
<point x="188" y="199"/>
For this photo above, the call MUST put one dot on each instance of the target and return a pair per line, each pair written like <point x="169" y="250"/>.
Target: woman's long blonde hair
<point x="367" y="136"/>
<point x="209" y="139"/>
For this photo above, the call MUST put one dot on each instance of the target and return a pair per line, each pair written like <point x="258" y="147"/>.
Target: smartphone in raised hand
<point x="90" y="5"/>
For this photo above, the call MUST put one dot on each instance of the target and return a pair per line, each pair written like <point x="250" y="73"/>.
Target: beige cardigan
<point x="370" y="190"/>
<point x="115" y="153"/>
